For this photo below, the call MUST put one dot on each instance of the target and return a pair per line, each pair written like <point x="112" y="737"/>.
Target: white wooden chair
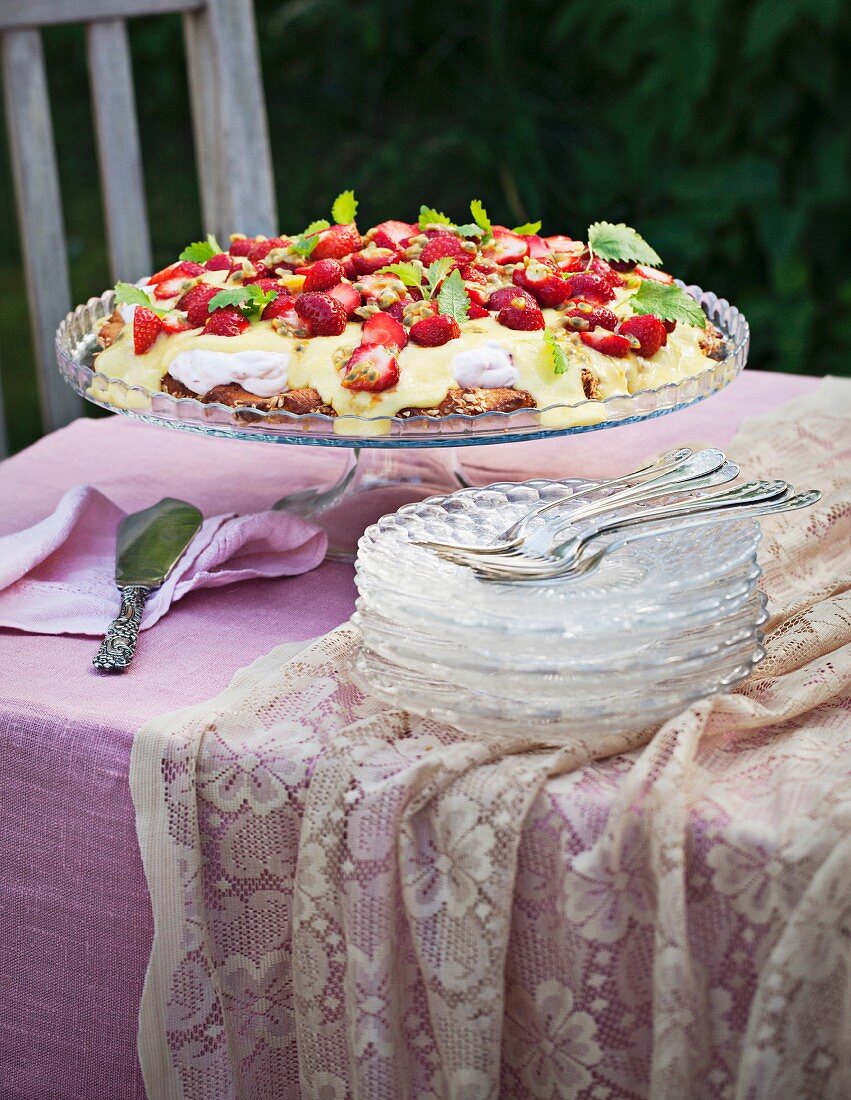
<point x="231" y="148"/>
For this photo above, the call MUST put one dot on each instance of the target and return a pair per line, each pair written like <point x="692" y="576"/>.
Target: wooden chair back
<point x="231" y="148"/>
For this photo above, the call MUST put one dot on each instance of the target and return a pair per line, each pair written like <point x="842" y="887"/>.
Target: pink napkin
<point x="58" y="577"/>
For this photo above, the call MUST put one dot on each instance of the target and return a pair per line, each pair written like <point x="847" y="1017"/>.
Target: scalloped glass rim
<point x="75" y="341"/>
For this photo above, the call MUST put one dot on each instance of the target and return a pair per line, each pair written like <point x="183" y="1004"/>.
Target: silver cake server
<point x="147" y="547"/>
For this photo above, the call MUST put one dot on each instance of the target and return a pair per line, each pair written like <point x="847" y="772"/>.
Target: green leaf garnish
<point x="126" y="294"/>
<point x="561" y="363"/>
<point x="436" y="271"/>
<point x="668" y="302"/>
<point x="620" y="242"/>
<point x="480" y="217"/>
<point x="252" y="299"/>
<point x="432" y="217"/>
<point x="305" y="242"/>
<point x="527" y="229"/>
<point x="411" y="274"/>
<point x="453" y="300"/>
<point x="345" y="208"/>
<point x="470" y="230"/>
<point x="201" y="251"/>
<point x="316" y="227"/>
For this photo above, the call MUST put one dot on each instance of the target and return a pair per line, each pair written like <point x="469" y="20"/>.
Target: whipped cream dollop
<point x="263" y="373"/>
<point x="488" y="366"/>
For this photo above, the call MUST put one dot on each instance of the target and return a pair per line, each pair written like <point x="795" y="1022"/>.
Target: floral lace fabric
<point x="356" y="902"/>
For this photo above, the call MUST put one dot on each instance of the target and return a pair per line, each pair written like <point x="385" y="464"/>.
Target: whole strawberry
<point x="196" y="300"/>
<point x="227" y="321"/>
<point x="371" y="259"/>
<point x="323" y="275"/>
<point x="519" y="315"/>
<point x="432" y="332"/>
<point x="648" y="333"/>
<point x="146" y="328"/>
<point x="262" y="248"/>
<point x="322" y="314"/>
<point x="241" y="246"/>
<point x="336" y="242"/>
<point x="220" y="262"/>
<point x="371" y="369"/>
<point x="507" y="294"/>
<point x="543" y="280"/>
<point x="444" y="244"/>
<point x="586" y="317"/>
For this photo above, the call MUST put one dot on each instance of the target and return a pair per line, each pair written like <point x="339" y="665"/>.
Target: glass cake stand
<point x="390" y="461"/>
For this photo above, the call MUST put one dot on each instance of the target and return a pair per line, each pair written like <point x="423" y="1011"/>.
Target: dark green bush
<point x="719" y="129"/>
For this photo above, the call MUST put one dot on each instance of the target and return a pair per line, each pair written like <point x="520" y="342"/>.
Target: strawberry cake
<point x="408" y="319"/>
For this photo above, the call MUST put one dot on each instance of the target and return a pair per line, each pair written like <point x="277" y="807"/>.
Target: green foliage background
<point x="720" y="129"/>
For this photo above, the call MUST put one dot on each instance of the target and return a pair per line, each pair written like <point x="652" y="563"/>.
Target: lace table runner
<point x="351" y="901"/>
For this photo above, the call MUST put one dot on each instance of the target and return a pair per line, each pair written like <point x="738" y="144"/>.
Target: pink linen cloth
<point x="58" y="576"/>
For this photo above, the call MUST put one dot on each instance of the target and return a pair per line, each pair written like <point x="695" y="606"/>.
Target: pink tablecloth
<point x="73" y="902"/>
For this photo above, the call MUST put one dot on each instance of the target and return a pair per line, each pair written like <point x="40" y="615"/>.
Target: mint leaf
<point x="316" y="226"/>
<point x="344" y="209"/>
<point x="436" y="271"/>
<point x="527" y="229"/>
<point x="411" y="274"/>
<point x="470" y="230"/>
<point x="428" y="216"/>
<point x="233" y="296"/>
<point x="561" y="363"/>
<point x="620" y="242"/>
<point x="201" y="251"/>
<point x="453" y="300"/>
<point x="480" y="217"/>
<point x="305" y="243"/>
<point x="668" y="302"/>
<point x="126" y="294"/>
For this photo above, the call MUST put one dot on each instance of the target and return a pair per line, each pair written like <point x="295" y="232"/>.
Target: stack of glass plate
<point x="660" y="623"/>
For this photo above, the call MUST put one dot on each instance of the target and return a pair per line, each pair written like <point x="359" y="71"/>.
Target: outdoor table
<point x="73" y="904"/>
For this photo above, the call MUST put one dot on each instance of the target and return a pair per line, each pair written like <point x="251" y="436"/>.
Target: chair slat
<point x="46" y="13"/>
<point x="245" y="190"/>
<point x="200" y="65"/>
<point x="119" y="154"/>
<point x="39" y="214"/>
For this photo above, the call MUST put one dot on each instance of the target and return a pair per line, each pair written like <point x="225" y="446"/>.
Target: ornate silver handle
<point x="117" y="649"/>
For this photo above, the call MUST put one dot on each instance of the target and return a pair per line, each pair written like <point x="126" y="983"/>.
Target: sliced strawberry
<point x="507" y="294"/>
<point x="381" y="328"/>
<point x="283" y="307"/>
<point x="434" y="331"/>
<point x="322" y="275"/>
<point x="220" y="262"/>
<point x="652" y="273"/>
<point x="393" y="234"/>
<point x="186" y="269"/>
<point x="505" y="248"/>
<point x="590" y="287"/>
<point x="371" y="368"/>
<point x="227" y="321"/>
<point x="543" y="280"/>
<point x="538" y="247"/>
<point x="648" y="331"/>
<point x="347" y="296"/>
<point x="519" y="315"/>
<point x="322" y="314"/>
<point x="476" y="310"/>
<point x="336" y="242"/>
<point x="371" y="258"/>
<point x="479" y="295"/>
<point x="241" y="246"/>
<point x="584" y="319"/>
<point x="444" y="244"/>
<point x="146" y="328"/>
<point x="605" y="271"/>
<point x="170" y="288"/>
<point x="195" y="302"/>
<point x="607" y="343"/>
<point x="262" y="248"/>
<point x="381" y="288"/>
<point x="176" y="322"/>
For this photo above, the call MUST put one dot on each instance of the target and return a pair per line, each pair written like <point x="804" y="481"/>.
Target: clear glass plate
<point x="76" y="345"/>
